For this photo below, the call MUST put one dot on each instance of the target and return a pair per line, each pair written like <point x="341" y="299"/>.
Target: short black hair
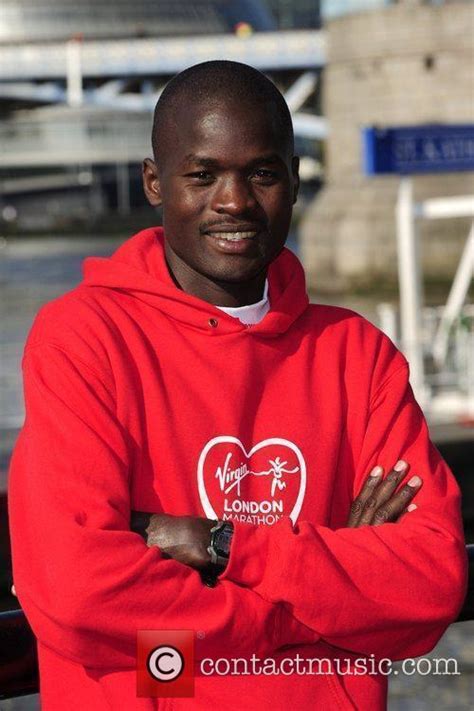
<point x="222" y="80"/>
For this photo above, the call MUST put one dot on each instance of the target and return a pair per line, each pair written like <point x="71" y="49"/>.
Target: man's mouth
<point x="234" y="239"/>
<point x="233" y="236"/>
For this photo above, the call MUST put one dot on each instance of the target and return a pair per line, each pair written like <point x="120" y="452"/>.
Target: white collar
<point x="252" y="313"/>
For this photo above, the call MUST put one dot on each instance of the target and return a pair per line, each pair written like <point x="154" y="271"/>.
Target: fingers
<point x="365" y="495"/>
<point x="383" y="493"/>
<point x="398" y="504"/>
<point x="379" y="501"/>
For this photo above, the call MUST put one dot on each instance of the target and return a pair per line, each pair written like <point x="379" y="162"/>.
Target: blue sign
<point x="405" y="150"/>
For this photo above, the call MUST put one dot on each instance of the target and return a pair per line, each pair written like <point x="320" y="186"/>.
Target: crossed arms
<point x="186" y="538"/>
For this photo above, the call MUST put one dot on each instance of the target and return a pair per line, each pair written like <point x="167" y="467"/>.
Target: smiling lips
<point x="233" y="234"/>
<point x="235" y="240"/>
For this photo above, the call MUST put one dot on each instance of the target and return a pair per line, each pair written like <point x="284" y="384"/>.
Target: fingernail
<point x="400" y="466"/>
<point x="412" y="507"/>
<point x="414" y="481"/>
<point x="376" y="471"/>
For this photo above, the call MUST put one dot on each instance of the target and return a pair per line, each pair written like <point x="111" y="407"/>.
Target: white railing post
<point x="75" y="93"/>
<point x="410" y="285"/>
<point x="457" y="295"/>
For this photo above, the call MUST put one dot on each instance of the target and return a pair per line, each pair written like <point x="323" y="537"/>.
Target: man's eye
<point x="265" y="176"/>
<point x="202" y="175"/>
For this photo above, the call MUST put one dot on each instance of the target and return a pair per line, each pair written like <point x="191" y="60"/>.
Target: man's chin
<point x="237" y="273"/>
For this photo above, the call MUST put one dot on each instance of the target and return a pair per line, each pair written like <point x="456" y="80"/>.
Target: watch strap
<point x="218" y="555"/>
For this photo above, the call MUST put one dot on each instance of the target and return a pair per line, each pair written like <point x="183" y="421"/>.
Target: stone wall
<point x="400" y="65"/>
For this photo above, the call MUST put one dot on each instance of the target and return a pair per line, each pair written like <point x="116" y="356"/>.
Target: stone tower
<point x="404" y="64"/>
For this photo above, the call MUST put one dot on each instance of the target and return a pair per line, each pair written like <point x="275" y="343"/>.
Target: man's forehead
<point x="205" y="129"/>
<point x="217" y="115"/>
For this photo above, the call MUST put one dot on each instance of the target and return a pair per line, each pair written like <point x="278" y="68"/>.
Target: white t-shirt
<point x="252" y="313"/>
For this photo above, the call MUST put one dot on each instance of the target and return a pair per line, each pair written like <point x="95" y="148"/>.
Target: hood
<point x="139" y="268"/>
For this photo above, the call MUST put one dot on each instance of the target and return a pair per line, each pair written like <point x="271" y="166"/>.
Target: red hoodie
<point x="142" y="397"/>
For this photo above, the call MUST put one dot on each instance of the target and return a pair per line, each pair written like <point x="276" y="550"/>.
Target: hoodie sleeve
<point x="390" y="590"/>
<point x="85" y="581"/>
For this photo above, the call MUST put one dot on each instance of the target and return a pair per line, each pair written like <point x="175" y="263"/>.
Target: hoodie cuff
<point x="251" y="554"/>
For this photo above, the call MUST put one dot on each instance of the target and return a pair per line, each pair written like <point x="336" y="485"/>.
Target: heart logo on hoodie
<point x="256" y="486"/>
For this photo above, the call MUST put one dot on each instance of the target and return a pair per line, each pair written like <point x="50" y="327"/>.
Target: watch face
<point x="222" y="541"/>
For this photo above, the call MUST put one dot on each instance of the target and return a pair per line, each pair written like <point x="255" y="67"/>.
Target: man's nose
<point x="233" y="196"/>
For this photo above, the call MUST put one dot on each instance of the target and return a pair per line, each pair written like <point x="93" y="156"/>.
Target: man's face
<point x="227" y="184"/>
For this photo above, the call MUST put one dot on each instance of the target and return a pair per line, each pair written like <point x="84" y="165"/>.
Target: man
<point x="188" y="377"/>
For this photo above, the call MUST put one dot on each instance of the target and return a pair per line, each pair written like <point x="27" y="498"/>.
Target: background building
<point x="388" y="65"/>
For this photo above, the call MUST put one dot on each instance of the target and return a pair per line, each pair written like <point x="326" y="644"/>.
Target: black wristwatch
<point x="221" y="538"/>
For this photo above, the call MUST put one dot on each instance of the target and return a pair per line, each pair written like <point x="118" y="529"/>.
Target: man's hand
<point x="379" y="501"/>
<point x="184" y="538"/>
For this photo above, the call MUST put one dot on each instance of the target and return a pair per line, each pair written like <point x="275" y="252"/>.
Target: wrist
<point x="220" y="542"/>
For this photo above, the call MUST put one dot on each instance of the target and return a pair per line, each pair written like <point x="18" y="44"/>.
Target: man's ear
<point x="295" y="167"/>
<point x="151" y="182"/>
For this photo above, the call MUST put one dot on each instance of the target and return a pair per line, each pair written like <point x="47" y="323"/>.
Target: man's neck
<point x="219" y="293"/>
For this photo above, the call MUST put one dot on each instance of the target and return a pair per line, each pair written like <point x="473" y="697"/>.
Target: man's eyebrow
<point x="266" y="159"/>
<point x="213" y="163"/>
<point x="201" y="160"/>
